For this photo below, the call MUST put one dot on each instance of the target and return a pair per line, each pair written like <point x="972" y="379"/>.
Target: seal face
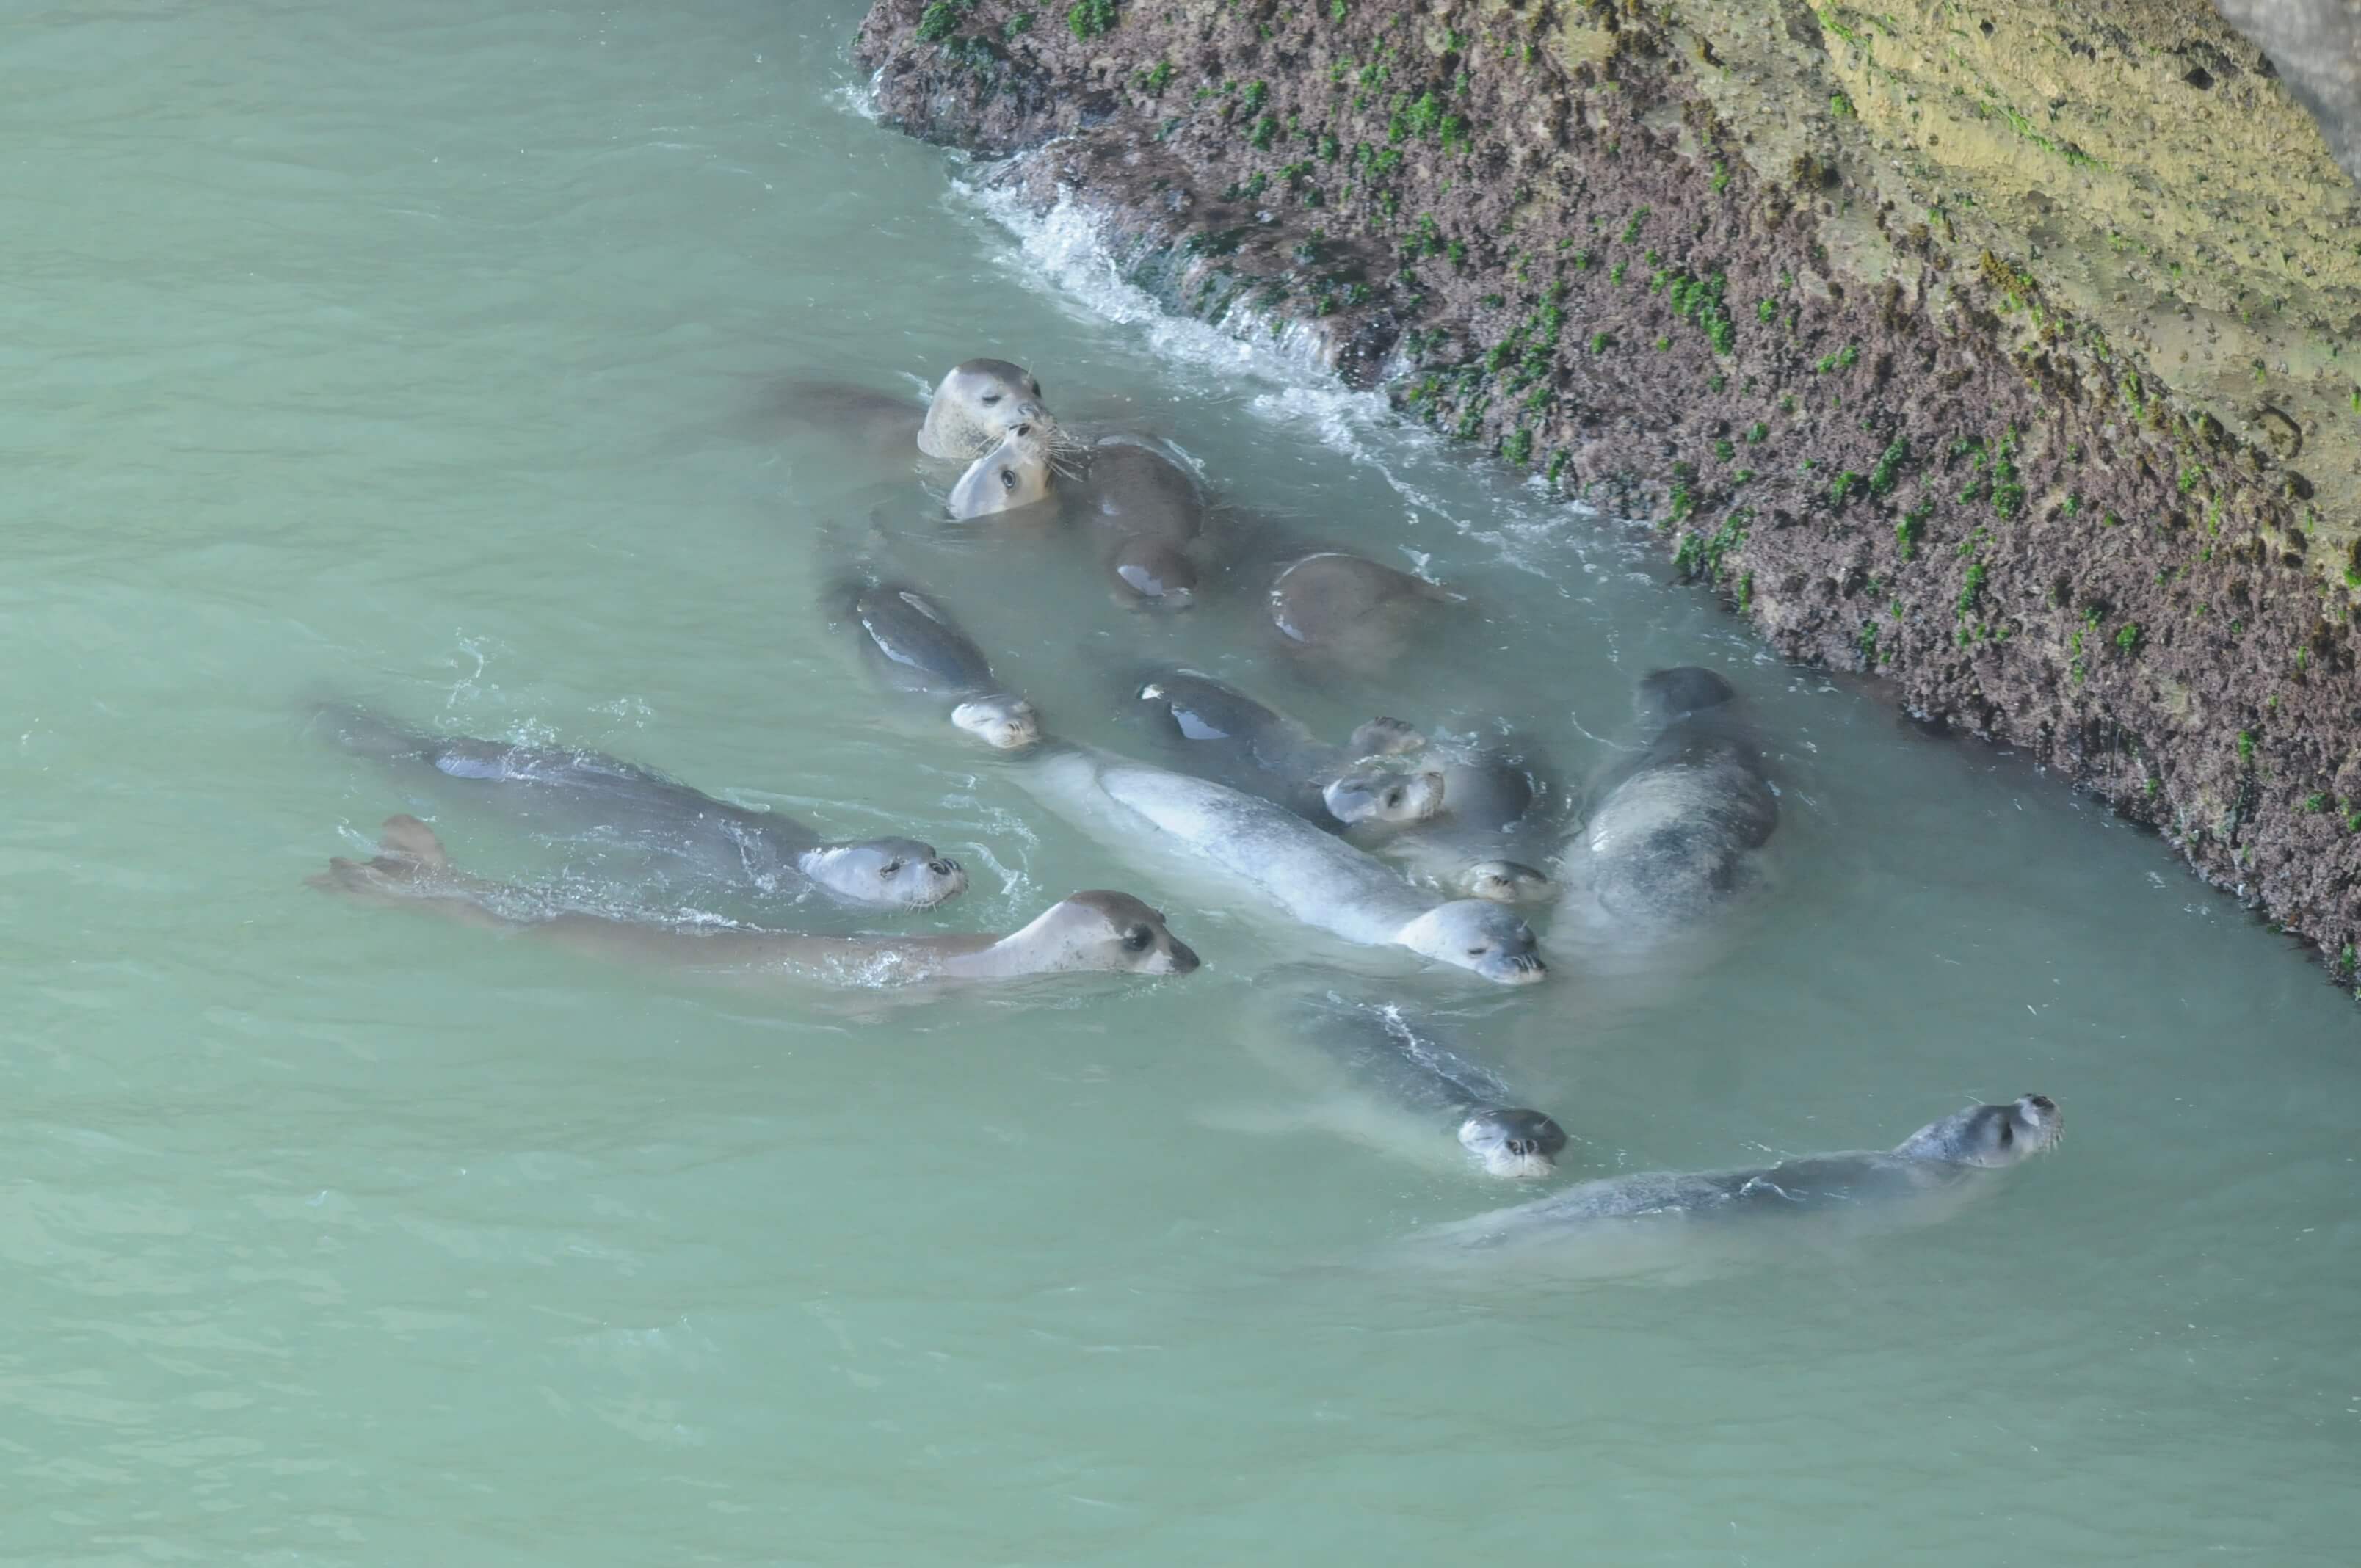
<point x="1098" y="930"/>
<point x="1479" y="936"/>
<point x="1520" y="1145"/>
<point x="895" y="873"/>
<point x="979" y="403"/>
<point x="1016" y="474"/>
<point x="1990" y="1138"/>
<point x="1382" y="794"/>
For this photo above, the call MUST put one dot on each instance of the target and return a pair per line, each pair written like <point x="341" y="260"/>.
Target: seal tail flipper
<point x="407" y="837"/>
<point x="408" y="851"/>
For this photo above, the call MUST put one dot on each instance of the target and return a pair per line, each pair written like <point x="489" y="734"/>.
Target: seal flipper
<point x="407" y="852"/>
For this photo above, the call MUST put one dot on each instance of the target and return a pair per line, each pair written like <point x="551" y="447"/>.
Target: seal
<point x="1391" y="1083"/>
<point x="1091" y="932"/>
<point x="648" y="811"/>
<point x="1355" y="609"/>
<point x="1219" y="732"/>
<point x="1924" y="1179"/>
<point x="1667" y="842"/>
<point x="1470" y="848"/>
<point x="912" y="644"/>
<point x="970" y="409"/>
<point x="1232" y="842"/>
<point x="1141" y="505"/>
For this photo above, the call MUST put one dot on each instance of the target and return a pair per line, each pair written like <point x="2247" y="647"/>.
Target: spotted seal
<point x="644" y="809"/>
<point x="1091" y="932"/>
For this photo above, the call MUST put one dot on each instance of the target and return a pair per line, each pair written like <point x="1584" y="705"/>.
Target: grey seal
<point x="1091" y="932"/>
<point x="1393" y="1083"/>
<point x="912" y="644"/>
<point x="1352" y="608"/>
<point x="970" y="409"/>
<point x="1229" y="842"/>
<point x="1219" y="732"/>
<point x="1921" y="1179"/>
<point x="1667" y="841"/>
<point x="646" y="809"/>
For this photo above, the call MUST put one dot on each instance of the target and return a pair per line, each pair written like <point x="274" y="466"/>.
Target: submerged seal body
<point x="1092" y="932"/>
<point x="1919" y="1181"/>
<point x="1668" y="840"/>
<point x="646" y="810"/>
<point x="1217" y="732"/>
<point x="1231" y="841"/>
<point x="913" y="645"/>
<point x="1419" y="1090"/>
<point x="1350" y="608"/>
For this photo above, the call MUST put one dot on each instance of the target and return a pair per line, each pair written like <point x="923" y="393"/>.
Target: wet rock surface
<point x="1685" y="265"/>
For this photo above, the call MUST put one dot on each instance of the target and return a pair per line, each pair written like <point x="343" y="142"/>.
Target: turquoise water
<point x="422" y="354"/>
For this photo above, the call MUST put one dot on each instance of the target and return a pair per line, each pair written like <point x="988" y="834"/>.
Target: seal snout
<point x="1521" y="968"/>
<point x="1184" y="958"/>
<point x="1520" y="1145"/>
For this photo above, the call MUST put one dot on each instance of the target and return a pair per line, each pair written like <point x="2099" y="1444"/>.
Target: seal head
<point x="1475" y="935"/>
<point x="1507" y="881"/>
<point x="1664" y="696"/>
<point x="1015" y="472"/>
<point x="1521" y="1145"/>
<point x="1991" y="1136"/>
<point x="980" y="401"/>
<point x="1380" y="795"/>
<point x="1103" y="931"/>
<point x="1003" y="721"/>
<point x="895" y="873"/>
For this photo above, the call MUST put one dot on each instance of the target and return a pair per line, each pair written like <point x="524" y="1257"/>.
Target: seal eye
<point x="1007" y="480"/>
<point x="2008" y="1135"/>
<point x="891" y="868"/>
<point x="1024" y="429"/>
<point x="990" y="397"/>
<point x="1393" y="798"/>
<point x="1477" y="952"/>
<point x="1136" y="940"/>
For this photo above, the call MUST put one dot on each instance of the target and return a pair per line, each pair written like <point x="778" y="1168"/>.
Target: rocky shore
<point x="2010" y="352"/>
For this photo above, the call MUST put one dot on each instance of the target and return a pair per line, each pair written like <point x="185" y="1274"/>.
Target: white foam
<point x="1063" y="254"/>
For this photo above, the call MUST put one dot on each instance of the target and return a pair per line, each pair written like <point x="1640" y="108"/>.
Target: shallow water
<point x="420" y="354"/>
